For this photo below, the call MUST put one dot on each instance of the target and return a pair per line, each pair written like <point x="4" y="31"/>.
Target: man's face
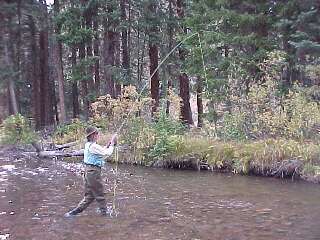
<point x="96" y="136"/>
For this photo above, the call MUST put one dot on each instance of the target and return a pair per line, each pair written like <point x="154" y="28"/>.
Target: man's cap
<point x="91" y="130"/>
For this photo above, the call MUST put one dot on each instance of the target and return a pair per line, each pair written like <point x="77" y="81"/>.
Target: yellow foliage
<point x="117" y="110"/>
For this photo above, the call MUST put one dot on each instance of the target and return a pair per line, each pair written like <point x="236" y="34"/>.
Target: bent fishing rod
<point x="155" y="71"/>
<point x="116" y="155"/>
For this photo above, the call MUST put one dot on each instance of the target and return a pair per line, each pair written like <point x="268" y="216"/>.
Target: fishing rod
<point x="155" y="71"/>
<point x="139" y="94"/>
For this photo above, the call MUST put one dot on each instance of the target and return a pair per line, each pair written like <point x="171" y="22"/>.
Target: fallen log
<point x="66" y="145"/>
<point x="60" y="153"/>
<point x="78" y="153"/>
<point x="55" y="154"/>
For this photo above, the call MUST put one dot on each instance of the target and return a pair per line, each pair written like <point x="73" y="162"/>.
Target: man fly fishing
<point x="93" y="161"/>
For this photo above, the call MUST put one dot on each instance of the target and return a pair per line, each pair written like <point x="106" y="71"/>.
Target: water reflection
<point x="153" y="204"/>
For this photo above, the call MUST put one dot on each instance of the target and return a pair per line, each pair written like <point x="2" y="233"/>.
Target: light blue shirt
<point x="94" y="154"/>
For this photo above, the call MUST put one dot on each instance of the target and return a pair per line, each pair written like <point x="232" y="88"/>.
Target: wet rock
<point x="4" y="236"/>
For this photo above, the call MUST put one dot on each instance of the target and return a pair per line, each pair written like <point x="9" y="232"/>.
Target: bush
<point x="264" y="110"/>
<point x="16" y="129"/>
<point x="234" y="126"/>
<point x="263" y="113"/>
<point x="70" y="132"/>
<point x="114" y="112"/>
<point x="166" y="130"/>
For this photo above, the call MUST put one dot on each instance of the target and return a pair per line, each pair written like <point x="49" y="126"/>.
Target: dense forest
<point x="57" y="59"/>
<point x="226" y="84"/>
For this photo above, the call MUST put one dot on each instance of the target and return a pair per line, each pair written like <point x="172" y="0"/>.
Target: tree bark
<point x="12" y="93"/>
<point x="90" y="71"/>
<point x="59" y="67"/>
<point x="17" y="62"/>
<point x="96" y="52"/>
<point x="9" y="57"/>
<point x="35" y="73"/>
<point x="117" y="64"/>
<point x="154" y="59"/>
<point x="124" y="39"/>
<point x="84" y="82"/>
<point x="199" y="101"/>
<point x="171" y="43"/>
<point x="45" y="107"/>
<point x="84" y="85"/>
<point x="75" y="91"/>
<point x="46" y="96"/>
<point x="186" y="114"/>
<point x="109" y="52"/>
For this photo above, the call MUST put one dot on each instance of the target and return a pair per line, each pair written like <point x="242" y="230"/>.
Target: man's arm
<point x="100" y="150"/>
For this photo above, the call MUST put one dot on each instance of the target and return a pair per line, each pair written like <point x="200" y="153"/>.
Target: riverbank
<point x="268" y="158"/>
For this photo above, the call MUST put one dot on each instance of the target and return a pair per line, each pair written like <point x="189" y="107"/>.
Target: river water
<point x="153" y="204"/>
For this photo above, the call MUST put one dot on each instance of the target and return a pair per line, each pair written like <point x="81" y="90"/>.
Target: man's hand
<point x="113" y="141"/>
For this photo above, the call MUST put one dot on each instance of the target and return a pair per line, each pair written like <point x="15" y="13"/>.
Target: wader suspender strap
<point x="90" y="146"/>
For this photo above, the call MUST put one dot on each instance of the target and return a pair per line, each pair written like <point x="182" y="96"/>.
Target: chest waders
<point x="93" y="187"/>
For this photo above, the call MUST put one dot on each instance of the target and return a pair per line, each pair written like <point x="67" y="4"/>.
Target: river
<point x="153" y="204"/>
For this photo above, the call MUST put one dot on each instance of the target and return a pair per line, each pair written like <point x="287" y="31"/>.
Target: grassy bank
<point x="190" y="150"/>
<point x="270" y="157"/>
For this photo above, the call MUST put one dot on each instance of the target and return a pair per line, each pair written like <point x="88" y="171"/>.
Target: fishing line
<point x="202" y="57"/>
<point x="154" y="72"/>
<point x="140" y="93"/>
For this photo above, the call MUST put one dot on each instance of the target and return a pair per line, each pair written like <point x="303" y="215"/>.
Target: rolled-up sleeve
<point x="100" y="150"/>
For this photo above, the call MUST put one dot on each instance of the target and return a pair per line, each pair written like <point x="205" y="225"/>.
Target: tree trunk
<point x="46" y="107"/>
<point x="124" y="39"/>
<point x="186" y="114"/>
<point x="59" y="67"/>
<point x="109" y="53"/>
<point x="84" y="85"/>
<point x="199" y="101"/>
<point x="154" y="59"/>
<point x="75" y="91"/>
<point x="171" y="43"/>
<point x="46" y="90"/>
<point x="13" y="106"/>
<point x="9" y="58"/>
<point x="117" y="64"/>
<point x="140" y="57"/>
<point x="153" y="56"/>
<point x="35" y="74"/>
<point x="96" y="53"/>
<point x="82" y="56"/>
<point x="17" y="62"/>
<point x="90" y="70"/>
<point x="129" y="36"/>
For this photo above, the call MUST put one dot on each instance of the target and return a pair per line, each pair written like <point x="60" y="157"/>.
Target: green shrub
<point x="16" y="129"/>
<point x="220" y="155"/>
<point x="310" y="169"/>
<point x="166" y="130"/>
<point x="70" y="132"/>
<point x="263" y="113"/>
<point x="233" y="126"/>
